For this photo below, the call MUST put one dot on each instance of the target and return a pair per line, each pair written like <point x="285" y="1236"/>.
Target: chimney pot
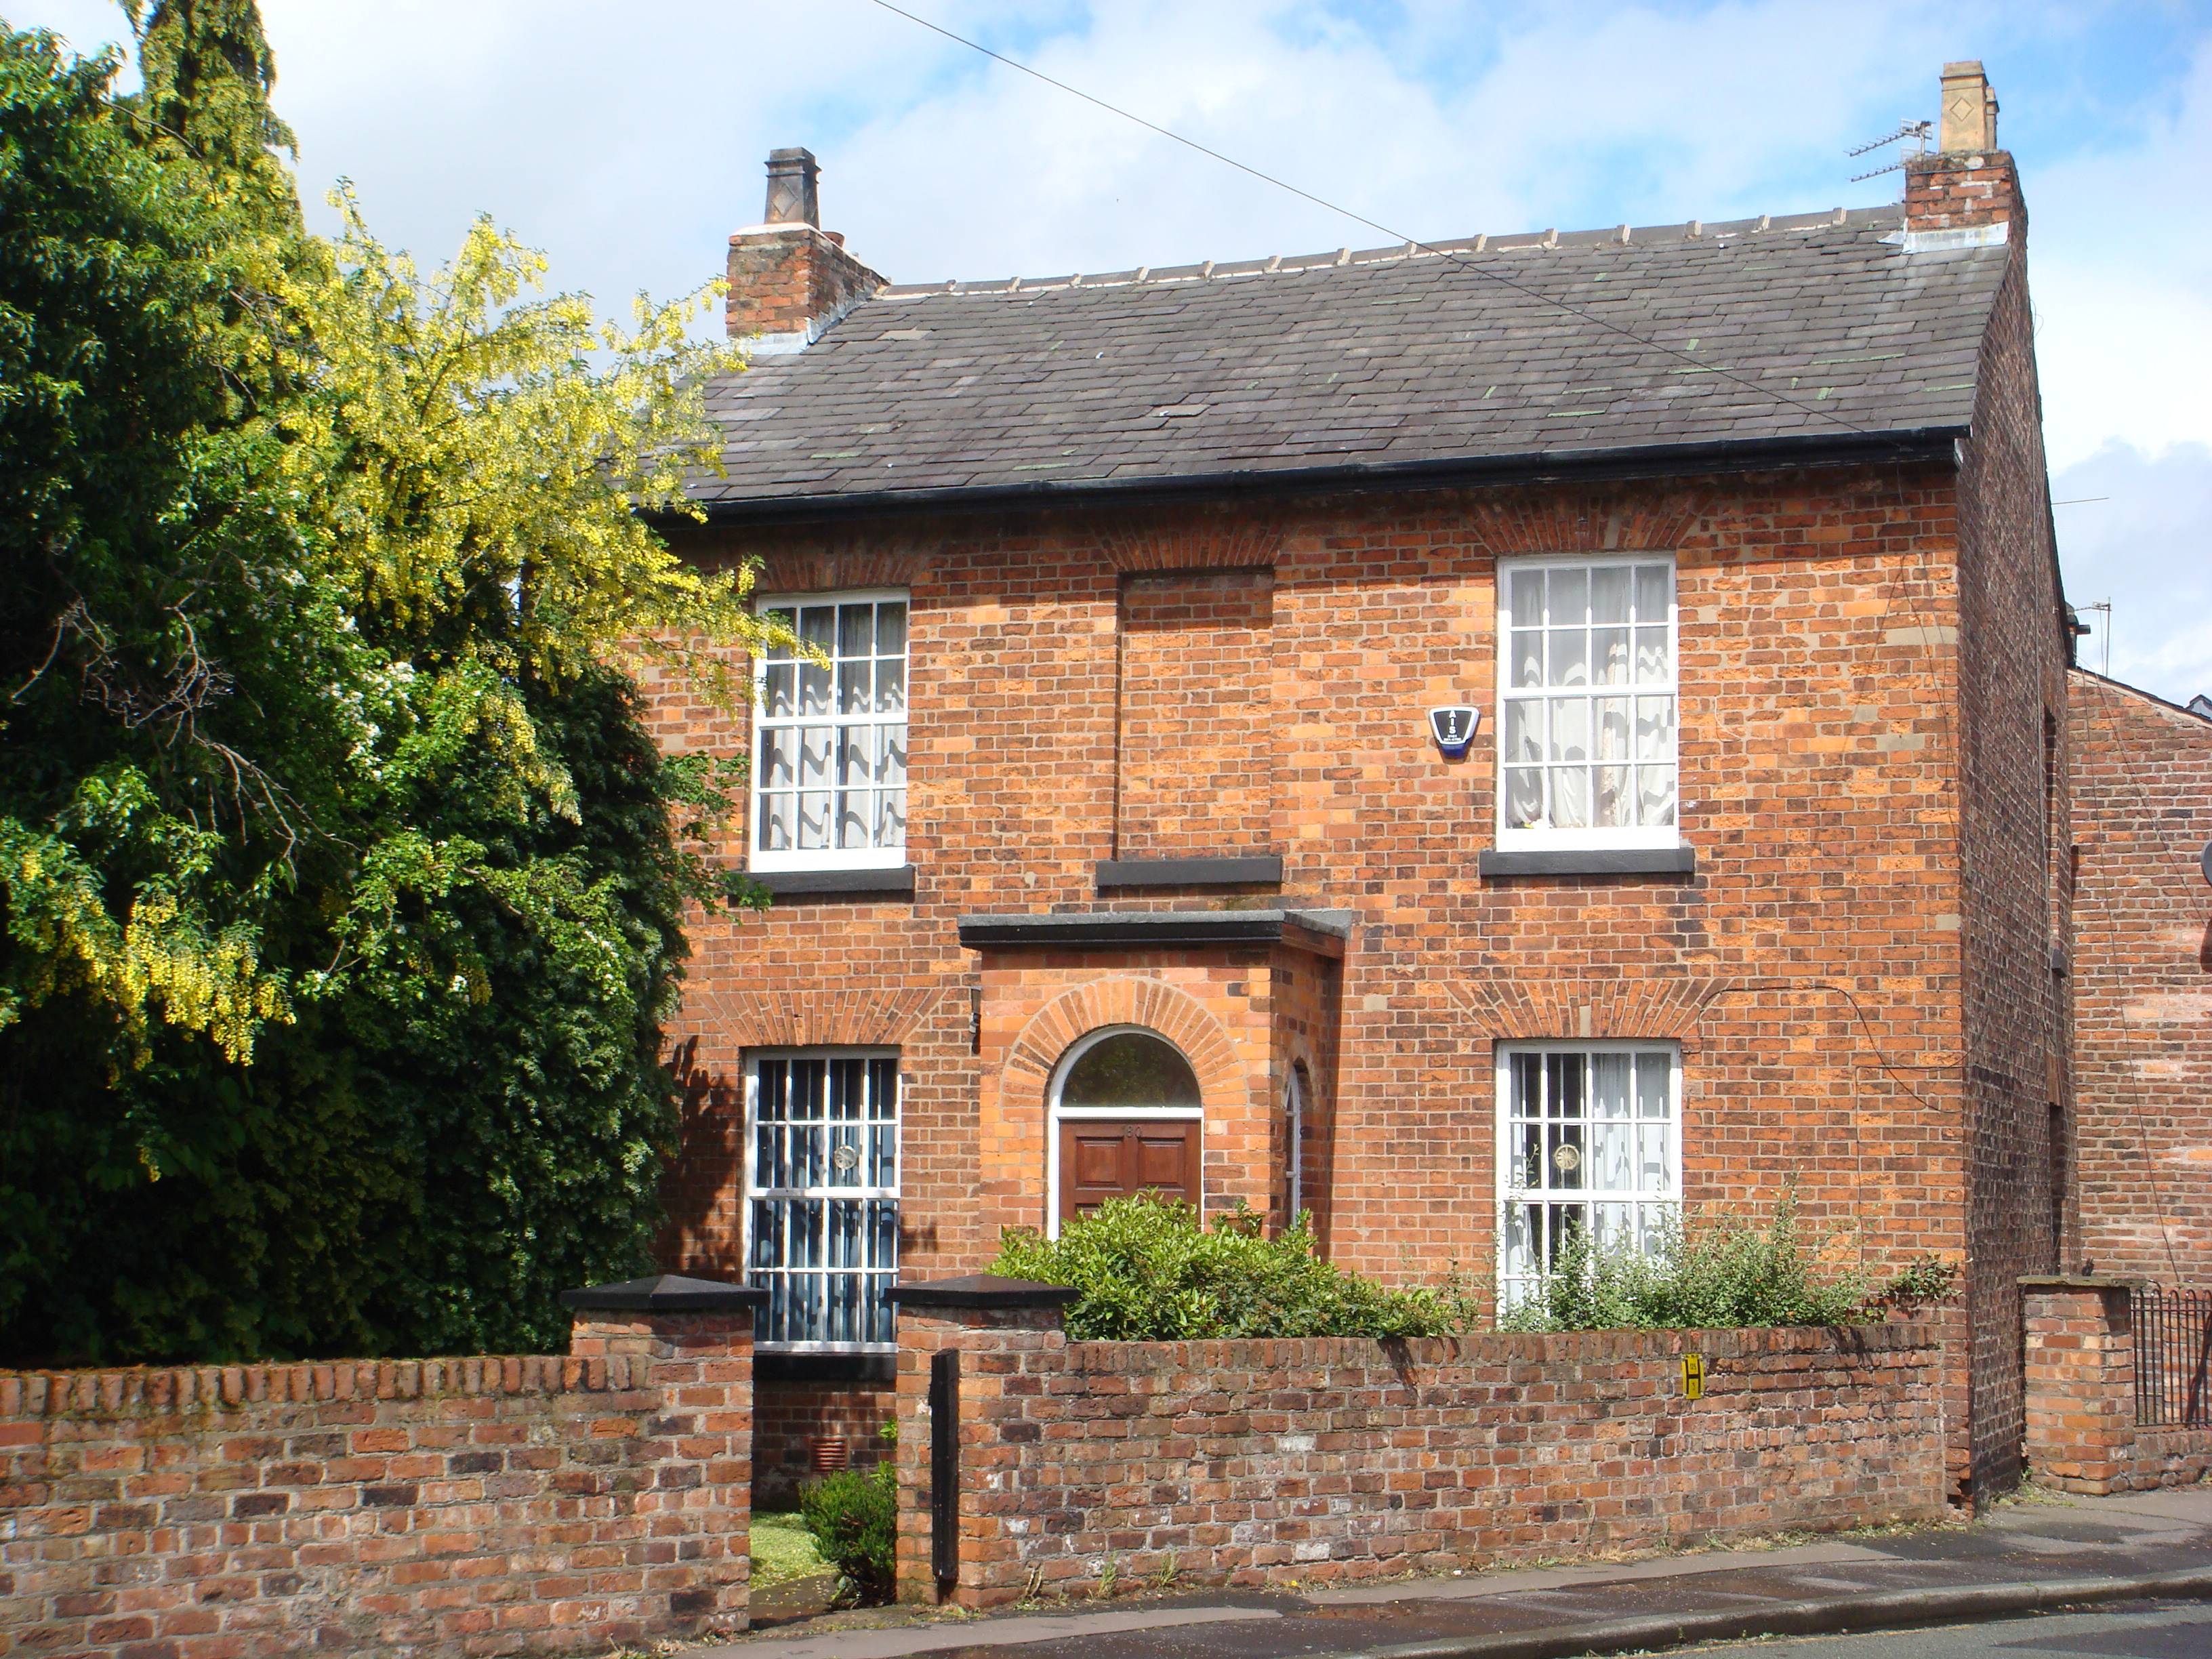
<point x="793" y="197"/>
<point x="1970" y="110"/>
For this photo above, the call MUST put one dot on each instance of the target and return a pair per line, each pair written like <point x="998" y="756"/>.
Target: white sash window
<point x="1586" y="716"/>
<point x="829" y="740"/>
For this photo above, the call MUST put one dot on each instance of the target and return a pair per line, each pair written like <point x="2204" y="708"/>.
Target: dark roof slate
<point x="1360" y="360"/>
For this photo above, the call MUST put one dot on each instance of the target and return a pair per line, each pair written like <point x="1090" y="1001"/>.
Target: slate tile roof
<point x="1384" y="359"/>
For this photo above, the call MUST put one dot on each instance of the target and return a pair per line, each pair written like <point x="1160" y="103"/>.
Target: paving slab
<point x="2028" y="1556"/>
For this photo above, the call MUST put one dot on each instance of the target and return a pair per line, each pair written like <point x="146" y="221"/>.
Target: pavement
<point x="2039" y="1553"/>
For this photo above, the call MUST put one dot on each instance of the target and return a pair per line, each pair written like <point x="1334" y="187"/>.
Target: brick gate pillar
<point x="699" y="1335"/>
<point x="2081" y="1381"/>
<point x="984" y="1322"/>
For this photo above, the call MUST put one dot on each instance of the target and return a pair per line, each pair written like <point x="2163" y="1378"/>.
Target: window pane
<point x="813" y="821"/>
<point x="817" y="626"/>
<point x="856" y="761"/>
<point x="1130" y="1068"/>
<point x="1525" y="598"/>
<point x="1528" y="653"/>
<point x="1570" y="803"/>
<point x="779" y="695"/>
<point x="1655" y="664"/>
<point x="1655" y="806"/>
<point x="856" y="629"/>
<point x="854" y="696"/>
<point x="814" y="750"/>
<point x="890" y="685"/>
<point x="1654" y="591"/>
<point x="891" y="763"/>
<point x="777" y="826"/>
<point x="890" y="629"/>
<point x="1570" y="598"/>
<point x="813" y="689"/>
<point x="1570" y="649"/>
<point x="1612" y="733"/>
<point x="1570" y="729"/>
<point x="1609" y="1090"/>
<point x="1609" y="587"/>
<point x="890" y="819"/>
<point x="1609" y="656"/>
<point x="1655" y="728"/>
<point x="1524" y="730"/>
<point x="1524" y="796"/>
<point x="778" y="652"/>
<point x="1612" y="806"/>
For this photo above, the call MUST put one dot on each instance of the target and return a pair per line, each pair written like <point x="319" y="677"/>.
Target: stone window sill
<point x="1495" y="863"/>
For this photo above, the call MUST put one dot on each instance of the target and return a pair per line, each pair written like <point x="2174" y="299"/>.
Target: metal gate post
<point x="945" y="1468"/>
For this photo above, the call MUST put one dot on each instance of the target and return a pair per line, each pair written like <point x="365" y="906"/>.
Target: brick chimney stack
<point x="1966" y="183"/>
<point x="789" y="278"/>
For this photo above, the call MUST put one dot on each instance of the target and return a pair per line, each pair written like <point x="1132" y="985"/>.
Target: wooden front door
<point x="1103" y="1160"/>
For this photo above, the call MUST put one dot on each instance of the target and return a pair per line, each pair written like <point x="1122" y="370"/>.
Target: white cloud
<point x="2138" y="533"/>
<point x="628" y="141"/>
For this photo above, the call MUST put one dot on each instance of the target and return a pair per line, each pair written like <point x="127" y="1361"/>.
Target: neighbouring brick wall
<point x="789" y="1417"/>
<point x="1258" y="1462"/>
<point x="2142" y="983"/>
<point x="2012" y="740"/>
<point x="2082" y="1433"/>
<point x="429" y="1508"/>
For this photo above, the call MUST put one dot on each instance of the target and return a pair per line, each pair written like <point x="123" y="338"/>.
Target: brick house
<point x="1117" y="847"/>
<point x="2142" y="981"/>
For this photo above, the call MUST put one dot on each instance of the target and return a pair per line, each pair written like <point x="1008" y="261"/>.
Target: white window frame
<point x="1653" y="1202"/>
<point x="760" y="1276"/>
<point x="1060" y="1114"/>
<point x="1625" y="836"/>
<point x="823" y="858"/>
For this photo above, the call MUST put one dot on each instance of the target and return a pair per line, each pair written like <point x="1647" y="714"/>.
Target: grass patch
<point x="783" y="1549"/>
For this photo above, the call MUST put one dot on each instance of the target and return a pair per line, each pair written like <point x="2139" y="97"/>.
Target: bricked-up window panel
<point x="829" y="740"/>
<point x="1587" y="703"/>
<point x="1591" y="1146"/>
<point x="822" y="1183"/>
<point x="1196" y="667"/>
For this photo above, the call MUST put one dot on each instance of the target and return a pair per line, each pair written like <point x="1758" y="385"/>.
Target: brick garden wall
<point x="2080" y="1417"/>
<point x="429" y="1508"/>
<point x="1258" y="1462"/>
<point x="2143" y="979"/>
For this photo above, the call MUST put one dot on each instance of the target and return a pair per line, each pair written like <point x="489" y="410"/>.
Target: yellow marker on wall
<point x="1693" y="1375"/>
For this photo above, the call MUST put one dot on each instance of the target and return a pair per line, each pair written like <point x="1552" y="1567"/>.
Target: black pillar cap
<point x="982" y="1291"/>
<point x="667" y="1293"/>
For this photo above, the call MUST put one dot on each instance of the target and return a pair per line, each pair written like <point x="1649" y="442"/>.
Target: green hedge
<point x="1151" y="1271"/>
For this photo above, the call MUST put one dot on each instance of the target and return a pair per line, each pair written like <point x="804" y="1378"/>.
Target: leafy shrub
<point x="853" y="1515"/>
<point x="1716" y="1274"/>
<point x="1149" y="1271"/>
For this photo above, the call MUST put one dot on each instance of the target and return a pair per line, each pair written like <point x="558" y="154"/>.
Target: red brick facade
<point x="431" y="1508"/>
<point x="2142" y="983"/>
<point x="1321" y="1461"/>
<point x="1858" y="973"/>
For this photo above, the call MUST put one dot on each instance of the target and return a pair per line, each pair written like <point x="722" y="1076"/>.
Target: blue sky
<point x="627" y="140"/>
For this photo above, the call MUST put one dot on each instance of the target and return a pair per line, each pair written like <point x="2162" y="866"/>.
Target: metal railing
<point x="2174" y="1340"/>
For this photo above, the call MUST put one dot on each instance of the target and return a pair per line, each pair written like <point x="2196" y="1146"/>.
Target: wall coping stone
<point x="665" y="1293"/>
<point x="2077" y="1282"/>
<point x="982" y="1290"/>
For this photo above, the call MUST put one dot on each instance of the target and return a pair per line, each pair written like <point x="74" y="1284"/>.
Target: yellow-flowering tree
<point x="342" y="884"/>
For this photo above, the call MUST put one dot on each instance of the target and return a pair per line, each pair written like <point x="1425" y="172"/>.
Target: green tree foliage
<point x="1149" y="1271"/>
<point x="341" y="884"/>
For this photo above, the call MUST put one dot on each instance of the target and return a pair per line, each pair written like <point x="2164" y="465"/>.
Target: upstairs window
<point x="829" y="740"/>
<point x="1587" y="703"/>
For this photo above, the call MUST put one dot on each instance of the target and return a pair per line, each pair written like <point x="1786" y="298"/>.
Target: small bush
<point x="1151" y="1271"/>
<point x="853" y="1515"/>
<point x="1718" y="1274"/>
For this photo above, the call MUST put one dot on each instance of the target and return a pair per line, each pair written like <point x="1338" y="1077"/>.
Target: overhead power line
<point x="1375" y="224"/>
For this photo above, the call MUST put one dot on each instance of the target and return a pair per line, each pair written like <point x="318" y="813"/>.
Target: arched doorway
<point x="1126" y="1117"/>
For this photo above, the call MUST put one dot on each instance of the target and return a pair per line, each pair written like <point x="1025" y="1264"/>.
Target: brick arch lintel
<point x="1658" y="1008"/>
<point x="1123" y="1000"/>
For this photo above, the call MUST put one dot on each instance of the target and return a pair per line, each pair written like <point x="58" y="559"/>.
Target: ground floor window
<point x="821" y="1190"/>
<point x="1589" y="1143"/>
